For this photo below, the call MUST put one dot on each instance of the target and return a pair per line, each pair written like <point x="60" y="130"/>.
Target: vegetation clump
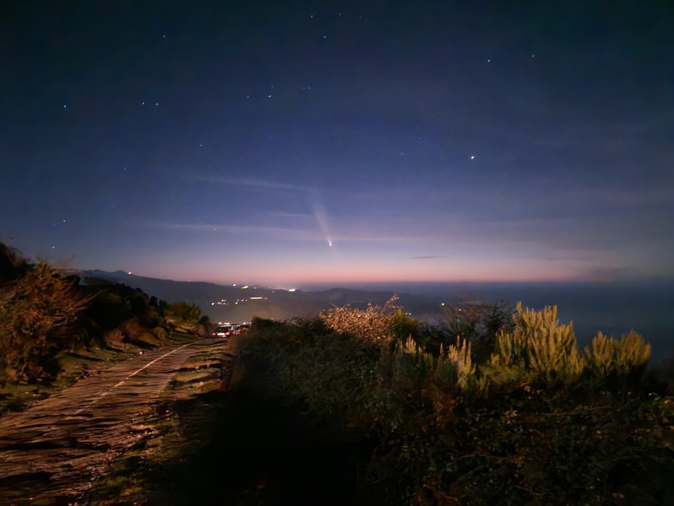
<point x="47" y="315"/>
<point x="534" y="421"/>
<point x="37" y="309"/>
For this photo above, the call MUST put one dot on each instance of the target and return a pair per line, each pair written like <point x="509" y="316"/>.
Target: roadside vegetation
<point x="55" y="327"/>
<point x="498" y="406"/>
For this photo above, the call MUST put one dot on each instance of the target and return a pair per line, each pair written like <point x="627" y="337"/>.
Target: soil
<point x="245" y="446"/>
<point x="213" y="434"/>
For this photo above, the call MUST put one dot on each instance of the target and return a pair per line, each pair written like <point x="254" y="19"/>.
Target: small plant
<point x="459" y="355"/>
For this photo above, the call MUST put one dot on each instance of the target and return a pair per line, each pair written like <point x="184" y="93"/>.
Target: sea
<point x="614" y="308"/>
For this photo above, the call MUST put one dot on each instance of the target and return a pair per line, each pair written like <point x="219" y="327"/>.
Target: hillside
<point x="54" y="325"/>
<point x="242" y="303"/>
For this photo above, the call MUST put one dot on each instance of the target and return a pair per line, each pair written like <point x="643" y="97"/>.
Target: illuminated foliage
<point x="375" y="323"/>
<point x="539" y="346"/>
<point x="34" y="308"/>
<point x="609" y="355"/>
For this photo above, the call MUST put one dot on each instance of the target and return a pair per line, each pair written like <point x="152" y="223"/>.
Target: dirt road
<point x="51" y="453"/>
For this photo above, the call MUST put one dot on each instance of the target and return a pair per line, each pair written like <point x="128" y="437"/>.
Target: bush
<point x="479" y="324"/>
<point x="538" y="347"/>
<point x="34" y="309"/>
<point x="43" y="313"/>
<point x="374" y="324"/>
<point x="535" y="422"/>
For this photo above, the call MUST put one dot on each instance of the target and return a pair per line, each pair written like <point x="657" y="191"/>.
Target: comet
<point x="320" y="215"/>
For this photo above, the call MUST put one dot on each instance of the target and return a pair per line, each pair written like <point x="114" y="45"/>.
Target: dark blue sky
<point x="299" y="142"/>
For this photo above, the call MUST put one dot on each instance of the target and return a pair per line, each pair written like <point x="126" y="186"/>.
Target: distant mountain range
<point x="227" y="303"/>
<point x="614" y="309"/>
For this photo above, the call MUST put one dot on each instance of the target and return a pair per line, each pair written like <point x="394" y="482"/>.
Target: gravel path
<point x="51" y="453"/>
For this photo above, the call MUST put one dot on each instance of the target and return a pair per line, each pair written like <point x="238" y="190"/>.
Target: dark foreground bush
<point x="536" y="422"/>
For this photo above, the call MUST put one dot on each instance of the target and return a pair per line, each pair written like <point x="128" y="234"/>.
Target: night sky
<point x="285" y="142"/>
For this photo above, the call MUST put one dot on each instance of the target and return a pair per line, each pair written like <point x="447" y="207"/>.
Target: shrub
<point x="478" y="324"/>
<point x="531" y="424"/>
<point x="375" y="324"/>
<point x="34" y="309"/>
<point x="182" y="311"/>
<point x="12" y="264"/>
<point x="538" y="347"/>
<point x="609" y="355"/>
